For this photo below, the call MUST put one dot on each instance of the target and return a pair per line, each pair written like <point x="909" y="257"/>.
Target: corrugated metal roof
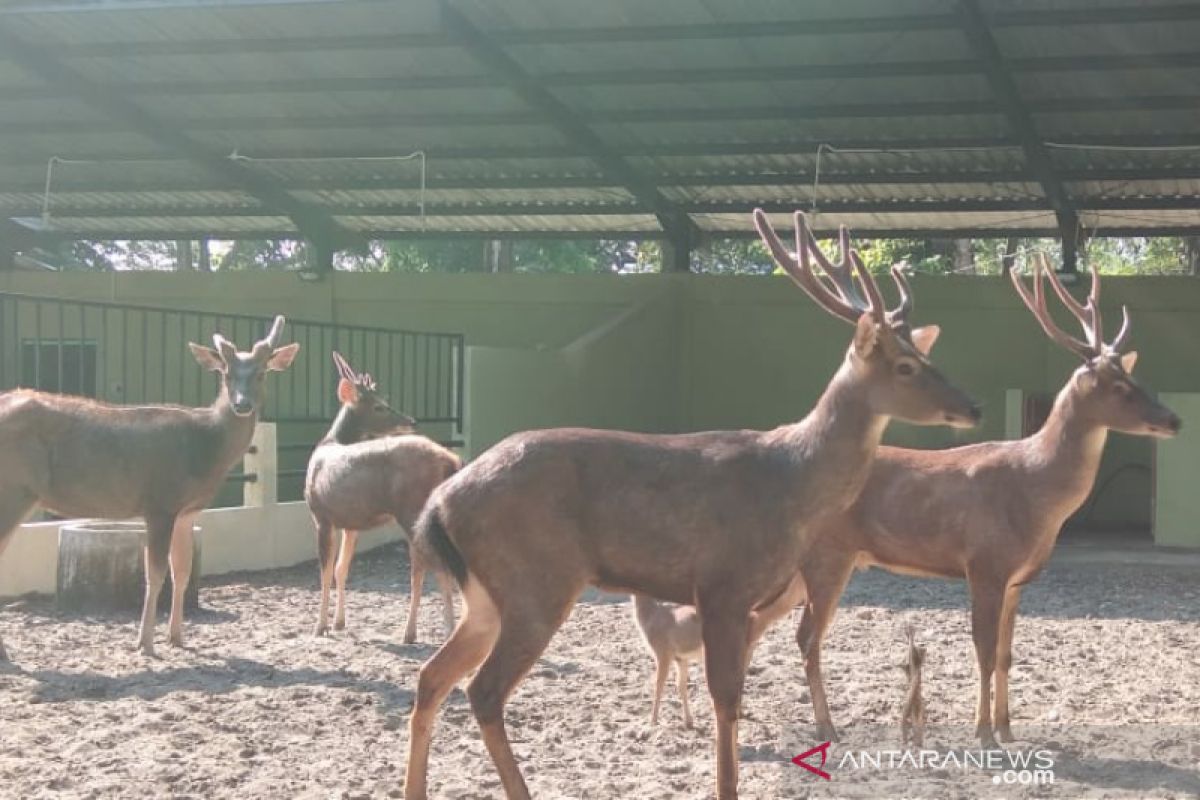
<point x="716" y="108"/>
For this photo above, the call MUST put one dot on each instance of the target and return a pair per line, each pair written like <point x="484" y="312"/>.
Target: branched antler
<point x="1087" y="314"/>
<point x="845" y="300"/>
<point x="363" y="380"/>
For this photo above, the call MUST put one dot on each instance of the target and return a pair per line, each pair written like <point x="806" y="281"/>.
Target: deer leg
<point x="662" y="670"/>
<point x="13" y="509"/>
<point x="181" y="573"/>
<point x="681" y="675"/>
<point x="1008" y="621"/>
<point x="349" y="542"/>
<point x="325" y="564"/>
<point x="526" y="627"/>
<point x="825" y="580"/>
<point x="158" y="546"/>
<point x="417" y="583"/>
<point x="725" y="633"/>
<point x="986" y="605"/>
<point x="445" y="585"/>
<point x="461" y="653"/>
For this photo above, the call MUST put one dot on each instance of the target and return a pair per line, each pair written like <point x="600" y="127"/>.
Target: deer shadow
<point x="217" y="676"/>
<point x="1136" y="775"/>
<point x="1061" y="591"/>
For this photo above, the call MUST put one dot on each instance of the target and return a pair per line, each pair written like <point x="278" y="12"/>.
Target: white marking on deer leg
<point x="349" y="541"/>
<point x="181" y="574"/>
<point x="417" y="578"/>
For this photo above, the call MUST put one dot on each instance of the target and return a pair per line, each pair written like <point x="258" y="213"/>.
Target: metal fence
<point x="124" y="353"/>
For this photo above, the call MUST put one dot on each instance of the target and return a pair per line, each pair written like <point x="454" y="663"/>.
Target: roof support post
<point x="677" y="253"/>
<point x="462" y="32"/>
<point x="983" y="43"/>
<point x="320" y="255"/>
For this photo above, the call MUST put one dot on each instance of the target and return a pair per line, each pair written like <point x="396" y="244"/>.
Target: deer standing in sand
<point x="371" y="469"/>
<point x="82" y="458"/>
<point x="912" y="714"/>
<point x="988" y="512"/>
<point x="672" y="634"/>
<point x="716" y="519"/>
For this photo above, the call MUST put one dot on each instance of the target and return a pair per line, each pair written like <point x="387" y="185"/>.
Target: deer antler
<point x="343" y="367"/>
<point x="1037" y="306"/>
<point x="1088" y="315"/>
<point x="361" y="379"/>
<point x="847" y="302"/>
<point x="276" y="331"/>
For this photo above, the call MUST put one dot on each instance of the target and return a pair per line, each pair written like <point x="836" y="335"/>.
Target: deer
<point x="912" y="713"/>
<point x="79" y="457"/>
<point x="672" y="634"/>
<point x="989" y="513"/>
<point x="715" y="519"/>
<point x="371" y="468"/>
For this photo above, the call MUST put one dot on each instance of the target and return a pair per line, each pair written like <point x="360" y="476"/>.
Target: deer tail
<point x="434" y="544"/>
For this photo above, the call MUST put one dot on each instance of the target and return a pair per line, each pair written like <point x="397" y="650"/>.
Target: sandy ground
<point x="1107" y="683"/>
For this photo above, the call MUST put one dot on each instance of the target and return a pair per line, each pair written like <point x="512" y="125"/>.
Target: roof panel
<point x="720" y="105"/>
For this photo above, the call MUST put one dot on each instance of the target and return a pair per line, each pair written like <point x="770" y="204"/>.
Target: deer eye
<point x="906" y="369"/>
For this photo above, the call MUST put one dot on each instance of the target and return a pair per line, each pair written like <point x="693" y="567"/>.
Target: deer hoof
<point x="3" y="655"/>
<point x="410" y="637"/>
<point x="339" y="624"/>
<point x="1004" y="734"/>
<point x="320" y="629"/>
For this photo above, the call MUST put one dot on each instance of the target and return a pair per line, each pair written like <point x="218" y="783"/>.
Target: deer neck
<point x="235" y="432"/>
<point x="840" y="436"/>
<point x="345" y="430"/>
<point x="1065" y="454"/>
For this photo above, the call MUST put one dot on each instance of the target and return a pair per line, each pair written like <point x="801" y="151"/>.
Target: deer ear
<point x="347" y="394"/>
<point x="1128" y="360"/>
<point x="866" y="333"/>
<point x="282" y="358"/>
<point x="923" y="338"/>
<point x="207" y="357"/>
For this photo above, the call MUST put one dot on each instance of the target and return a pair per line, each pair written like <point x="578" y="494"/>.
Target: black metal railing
<point x="138" y="354"/>
<point x="125" y="353"/>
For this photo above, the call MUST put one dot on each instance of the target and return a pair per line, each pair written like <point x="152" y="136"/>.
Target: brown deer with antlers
<point x="371" y="469"/>
<point x="82" y="458"/>
<point x="987" y="512"/>
<point x="717" y="519"/>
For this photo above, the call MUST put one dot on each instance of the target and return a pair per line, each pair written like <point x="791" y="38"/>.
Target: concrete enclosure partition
<point x="694" y="352"/>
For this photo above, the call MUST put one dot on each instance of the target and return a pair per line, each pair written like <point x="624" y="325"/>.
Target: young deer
<point x="368" y="470"/>
<point x="672" y="634"/>
<point x="716" y="519"/>
<point x="912" y="715"/>
<point x="987" y="512"/>
<point x="82" y="458"/>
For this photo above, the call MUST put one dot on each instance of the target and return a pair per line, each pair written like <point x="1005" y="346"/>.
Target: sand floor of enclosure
<point x="1107" y="680"/>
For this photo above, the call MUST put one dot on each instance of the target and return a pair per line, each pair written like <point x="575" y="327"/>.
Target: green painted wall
<point x="687" y="352"/>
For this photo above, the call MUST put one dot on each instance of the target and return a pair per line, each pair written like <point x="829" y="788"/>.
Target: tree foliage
<point x="1131" y="255"/>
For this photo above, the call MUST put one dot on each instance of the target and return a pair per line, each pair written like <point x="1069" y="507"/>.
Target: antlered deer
<point x="672" y="634"/>
<point x="714" y="519"/>
<point x="82" y="458"/>
<point x="987" y="512"/>
<point x="368" y="470"/>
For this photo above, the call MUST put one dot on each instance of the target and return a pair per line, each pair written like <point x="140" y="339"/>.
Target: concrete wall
<point x="688" y="352"/>
<point x="1177" y="504"/>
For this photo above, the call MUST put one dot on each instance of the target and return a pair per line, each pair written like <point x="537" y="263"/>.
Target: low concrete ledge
<point x="232" y="539"/>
